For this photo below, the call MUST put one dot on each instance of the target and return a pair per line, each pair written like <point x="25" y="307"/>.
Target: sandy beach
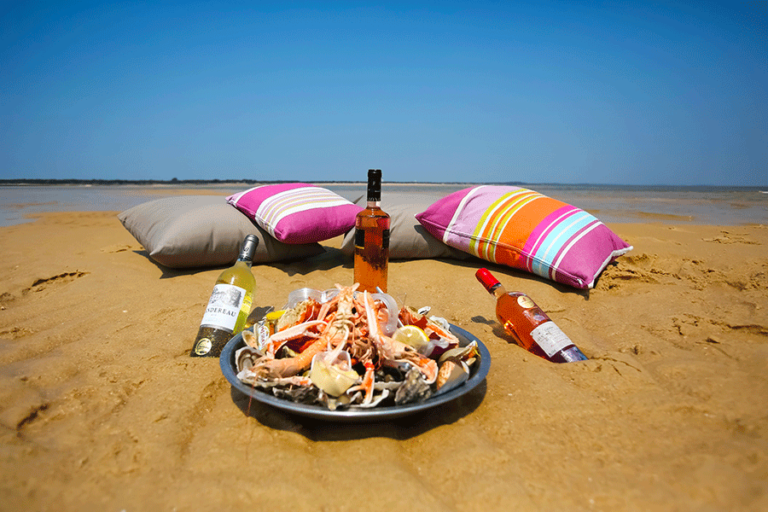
<point x="101" y="408"/>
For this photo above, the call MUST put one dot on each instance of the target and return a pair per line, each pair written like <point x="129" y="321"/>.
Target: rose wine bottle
<point x="528" y="325"/>
<point x="372" y="239"/>
<point x="229" y="305"/>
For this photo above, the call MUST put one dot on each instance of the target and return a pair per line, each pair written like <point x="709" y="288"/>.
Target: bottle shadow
<point x="498" y="331"/>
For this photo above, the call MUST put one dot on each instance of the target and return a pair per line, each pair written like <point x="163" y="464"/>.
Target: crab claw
<point x="368" y="380"/>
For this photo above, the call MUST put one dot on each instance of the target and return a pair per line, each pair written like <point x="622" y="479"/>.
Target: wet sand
<point x="102" y="409"/>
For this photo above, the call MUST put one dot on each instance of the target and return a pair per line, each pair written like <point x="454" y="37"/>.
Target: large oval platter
<point x="477" y="374"/>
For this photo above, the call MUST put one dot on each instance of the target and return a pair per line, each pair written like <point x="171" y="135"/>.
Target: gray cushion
<point x="407" y="238"/>
<point x="202" y="231"/>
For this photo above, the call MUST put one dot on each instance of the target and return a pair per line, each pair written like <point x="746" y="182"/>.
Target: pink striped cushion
<point x="526" y="230"/>
<point x="297" y="213"/>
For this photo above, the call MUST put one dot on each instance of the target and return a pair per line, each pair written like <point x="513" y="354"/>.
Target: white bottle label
<point x="223" y="307"/>
<point x="550" y="338"/>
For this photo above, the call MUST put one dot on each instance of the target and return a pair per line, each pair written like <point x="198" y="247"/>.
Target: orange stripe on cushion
<point x="482" y="243"/>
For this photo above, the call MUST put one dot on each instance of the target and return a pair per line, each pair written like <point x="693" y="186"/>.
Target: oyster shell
<point x="413" y="389"/>
<point x="300" y="394"/>
<point x="250" y="338"/>
<point x="467" y="353"/>
<point x="245" y="357"/>
<point x="356" y="400"/>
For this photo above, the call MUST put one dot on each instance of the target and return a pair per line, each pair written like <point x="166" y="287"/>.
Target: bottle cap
<point x="249" y="248"/>
<point x="374" y="185"/>
<point x="486" y="278"/>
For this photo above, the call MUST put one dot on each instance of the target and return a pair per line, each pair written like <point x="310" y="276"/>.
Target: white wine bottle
<point x="229" y="305"/>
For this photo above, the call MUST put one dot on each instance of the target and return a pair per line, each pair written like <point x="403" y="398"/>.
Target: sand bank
<point x="102" y="409"/>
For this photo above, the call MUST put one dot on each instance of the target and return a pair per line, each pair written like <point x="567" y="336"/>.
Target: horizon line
<point x="216" y="181"/>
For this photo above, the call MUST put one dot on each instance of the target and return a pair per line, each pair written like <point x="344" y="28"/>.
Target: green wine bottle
<point x="229" y="305"/>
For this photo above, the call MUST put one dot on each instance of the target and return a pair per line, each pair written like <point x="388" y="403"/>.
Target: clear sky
<point x="636" y="93"/>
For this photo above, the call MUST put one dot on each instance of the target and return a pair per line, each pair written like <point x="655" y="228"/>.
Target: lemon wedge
<point x="411" y="335"/>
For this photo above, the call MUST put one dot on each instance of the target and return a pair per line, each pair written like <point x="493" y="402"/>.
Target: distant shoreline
<point x="252" y="182"/>
<point x="701" y="205"/>
<point x="11" y="182"/>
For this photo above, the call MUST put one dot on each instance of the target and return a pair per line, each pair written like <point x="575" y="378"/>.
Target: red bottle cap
<point x="486" y="278"/>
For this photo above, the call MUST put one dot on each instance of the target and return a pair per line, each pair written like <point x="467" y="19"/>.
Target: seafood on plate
<point x="345" y="349"/>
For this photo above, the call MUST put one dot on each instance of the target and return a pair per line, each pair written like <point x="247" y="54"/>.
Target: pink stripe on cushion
<point x="297" y="213"/>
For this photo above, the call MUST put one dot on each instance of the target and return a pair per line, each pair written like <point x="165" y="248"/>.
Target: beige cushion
<point x="408" y="239"/>
<point x="202" y="231"/>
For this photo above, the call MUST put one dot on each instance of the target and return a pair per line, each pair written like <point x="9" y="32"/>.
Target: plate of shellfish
<point x="346" y="355"/>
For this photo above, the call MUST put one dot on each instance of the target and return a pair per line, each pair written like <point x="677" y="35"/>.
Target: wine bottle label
<point x="550" y="338"/>
<point x="525" y="301"/>
<point x="203" y="346"/>
<point x="360" y="239"/>
<point x="223" y="307"/>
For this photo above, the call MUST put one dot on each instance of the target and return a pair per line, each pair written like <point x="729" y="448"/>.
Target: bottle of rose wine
<point x="528" y="325"/>
<point x="372" y="239"/>
<point x="229" y="305"/>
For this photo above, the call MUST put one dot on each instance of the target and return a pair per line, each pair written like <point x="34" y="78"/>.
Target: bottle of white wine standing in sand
<point x="229" y="305"/>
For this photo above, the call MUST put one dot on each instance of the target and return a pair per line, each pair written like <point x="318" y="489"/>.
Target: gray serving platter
<point x="477" y="374"/>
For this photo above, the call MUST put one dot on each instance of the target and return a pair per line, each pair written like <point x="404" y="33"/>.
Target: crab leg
<point x="279" y="338"/>
<point x="368" y="381"/>
<point x="379" y="340"/>
<point x="292" y="365"/>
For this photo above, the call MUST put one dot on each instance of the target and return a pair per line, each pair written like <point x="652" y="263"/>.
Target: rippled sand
<point x="102" y="409"/>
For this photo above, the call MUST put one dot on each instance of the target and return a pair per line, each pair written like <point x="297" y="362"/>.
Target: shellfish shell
<point x="466" y="353"/>
<point x="452" y="373"/>
<point x="413" y="389"/>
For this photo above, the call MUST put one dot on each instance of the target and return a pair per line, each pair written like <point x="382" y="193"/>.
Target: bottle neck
<point x="374" y="204"/>
<point x="497" y="290"/>
<point x="248" y="250"/>
<point x="244" y="262"/>
<point x="374" y="188"/>
<point x="490" y="283"/>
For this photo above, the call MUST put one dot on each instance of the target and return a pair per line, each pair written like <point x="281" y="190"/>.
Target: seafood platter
<point x="346" y="355"/>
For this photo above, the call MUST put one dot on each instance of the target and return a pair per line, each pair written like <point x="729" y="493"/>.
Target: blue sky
<point x="635" y="93"/>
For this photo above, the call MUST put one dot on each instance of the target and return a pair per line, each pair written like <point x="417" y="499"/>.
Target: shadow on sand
<point x="404" y="427"/>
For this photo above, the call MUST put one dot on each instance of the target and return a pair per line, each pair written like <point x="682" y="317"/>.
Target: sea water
<point x="695" y="205"/>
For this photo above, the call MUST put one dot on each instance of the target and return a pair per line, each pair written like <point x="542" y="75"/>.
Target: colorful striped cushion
<point x="297" y="213"/>
<point x="525" y="230"/>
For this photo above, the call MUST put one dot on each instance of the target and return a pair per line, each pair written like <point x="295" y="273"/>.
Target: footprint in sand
<point x="15" y="332"/>
<point x="24" y="406"/>
<point x="111" y="249"/>
<point x="4" y="299"/>
<point x="57" y="280"/>
<point x="727" y="237"/>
